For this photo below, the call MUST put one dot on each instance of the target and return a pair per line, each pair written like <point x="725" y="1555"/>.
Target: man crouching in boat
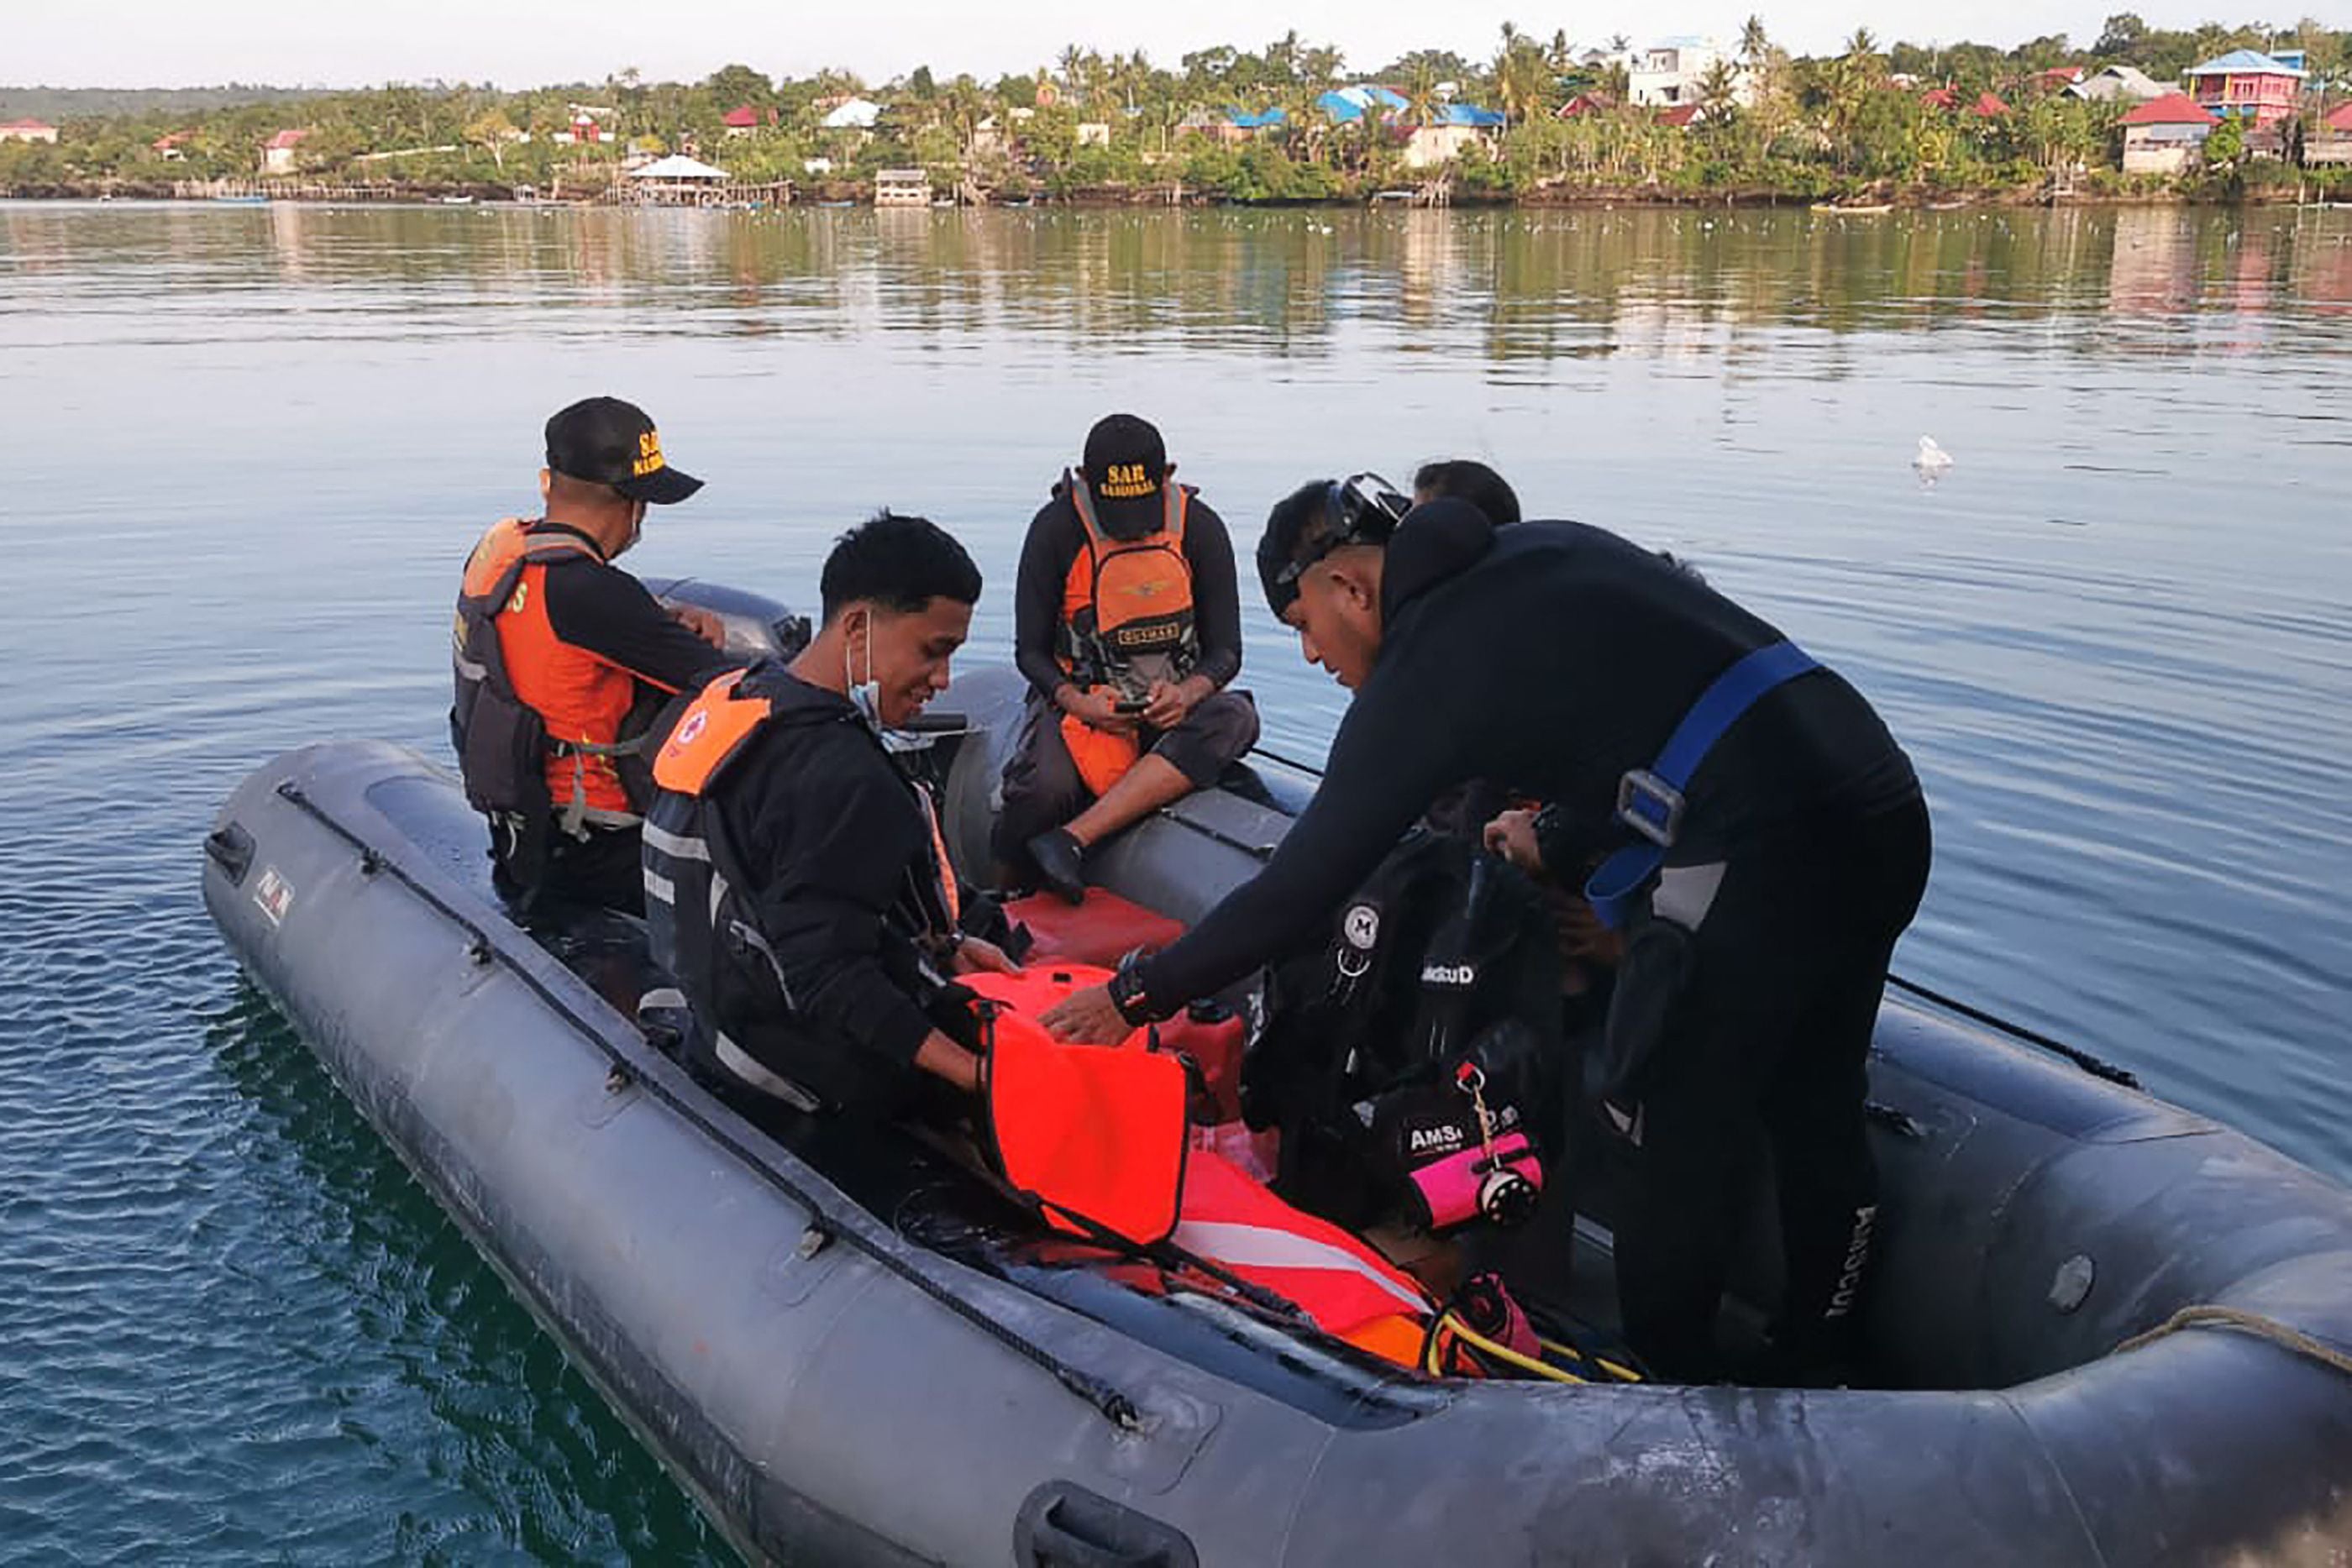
<point x="794" y="879"/>
<point x="1765" y="837"/>
<point x="1127" y="624"/>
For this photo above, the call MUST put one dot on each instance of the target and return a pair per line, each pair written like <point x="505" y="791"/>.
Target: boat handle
<point x="231" y="849"/>
<point x="1064" y="1525"/>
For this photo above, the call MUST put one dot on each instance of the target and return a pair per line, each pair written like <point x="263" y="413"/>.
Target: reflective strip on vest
<point x="1248" y="1246"/>
<point x="678" y="846"/>
<point x="1338" y="1280"/>
<point x="661" y="887"/>
<point x="766" y="1079"/>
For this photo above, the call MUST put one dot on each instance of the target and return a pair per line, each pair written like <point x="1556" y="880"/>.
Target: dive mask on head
<point x="1362" y="508"/>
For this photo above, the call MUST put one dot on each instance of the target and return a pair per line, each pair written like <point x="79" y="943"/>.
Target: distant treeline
<point x="1770" y="125"/>
<point x="59" y="104"/>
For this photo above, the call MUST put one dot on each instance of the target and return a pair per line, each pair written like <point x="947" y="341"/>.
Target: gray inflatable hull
<point x="789" y="1360"/>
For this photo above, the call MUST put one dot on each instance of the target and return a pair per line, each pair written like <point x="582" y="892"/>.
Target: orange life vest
<point x="1127" y="621"/>
<point x="1126" y="605"/>
<point x="583" y="703"/>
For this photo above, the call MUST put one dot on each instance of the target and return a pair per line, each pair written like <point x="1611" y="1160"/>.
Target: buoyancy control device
<point x="1414" y="1061"/>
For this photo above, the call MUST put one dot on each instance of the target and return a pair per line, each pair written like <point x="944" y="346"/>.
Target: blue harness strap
<point x="1650" y="799"/>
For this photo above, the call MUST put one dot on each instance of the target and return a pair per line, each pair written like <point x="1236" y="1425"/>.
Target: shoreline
<point x="1863" y="204"/>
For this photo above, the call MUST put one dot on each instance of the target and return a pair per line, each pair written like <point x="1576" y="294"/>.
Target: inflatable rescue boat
<point x="2104" y="1330"/>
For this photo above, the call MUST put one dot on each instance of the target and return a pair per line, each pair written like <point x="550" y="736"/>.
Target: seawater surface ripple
<point x="246" y="449"/>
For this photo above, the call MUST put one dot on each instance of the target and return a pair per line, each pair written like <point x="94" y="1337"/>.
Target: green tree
<point x="734" y="86"/>
<point x="491" y="131"/>
<point x="2225" y="145"/>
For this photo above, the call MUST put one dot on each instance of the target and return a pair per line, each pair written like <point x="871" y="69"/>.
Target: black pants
<point x="1763" y="1049"/>
<point x="1042" y="786"/>
<point x="605" y="871"/>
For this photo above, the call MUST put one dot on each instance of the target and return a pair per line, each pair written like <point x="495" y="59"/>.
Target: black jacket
<point x="830" y="861"/>
<point x="1551" y="658"/>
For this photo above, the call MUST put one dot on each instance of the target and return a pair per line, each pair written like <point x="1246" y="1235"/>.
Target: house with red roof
<point x="278" y="153"/>
<point x="743" y="120"/>
<point x="170" y="146"/>
<point x="1680" y="117"/>
<point x="1988" y="106"/>
<point x="27" y="130"/>
<point x="2246" y="85"/>
<point x="2329" y="141"/>
<point x="2165" y="135"/>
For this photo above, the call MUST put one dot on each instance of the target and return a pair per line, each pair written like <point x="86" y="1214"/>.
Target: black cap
<point x="607" y="442"/>
<point x="1126" y="470"/>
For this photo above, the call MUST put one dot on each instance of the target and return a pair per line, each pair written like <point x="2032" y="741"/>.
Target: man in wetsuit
<point x="564" y="661"/>
<point x="1562" y="660"/>
<point x="794" y="878"/>
<point x="1127" y="621"/>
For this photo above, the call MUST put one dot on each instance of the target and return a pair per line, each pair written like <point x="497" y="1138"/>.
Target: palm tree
<point x="1753" y="42"/>
<point x="1421" y="94"/>
<point x="1718" y="91"/>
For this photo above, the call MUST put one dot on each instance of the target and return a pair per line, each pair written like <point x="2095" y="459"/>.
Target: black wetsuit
<point x="1552" y="658"/>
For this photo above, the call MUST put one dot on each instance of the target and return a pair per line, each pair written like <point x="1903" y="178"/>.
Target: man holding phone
<point x="1127" y="621"/>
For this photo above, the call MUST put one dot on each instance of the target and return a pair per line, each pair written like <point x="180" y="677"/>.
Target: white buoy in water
<point x="1932" y="459"/>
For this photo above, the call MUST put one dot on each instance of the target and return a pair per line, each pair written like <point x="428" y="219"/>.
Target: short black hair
<point x="1467" y="479"/>
<point x="898" y="562"/>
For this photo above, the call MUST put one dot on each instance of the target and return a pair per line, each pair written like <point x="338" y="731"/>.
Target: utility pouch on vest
<point x="503" y="757"/>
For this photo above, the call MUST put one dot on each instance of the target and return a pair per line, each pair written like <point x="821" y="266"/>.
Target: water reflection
<point x="1672" y="284"/>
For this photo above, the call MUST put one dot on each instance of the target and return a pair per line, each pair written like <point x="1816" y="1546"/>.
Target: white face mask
<point x="865" y="695"/>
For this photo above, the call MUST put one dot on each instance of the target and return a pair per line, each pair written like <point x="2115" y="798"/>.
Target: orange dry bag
<point x="1094" y="1134"/>
<point x="1102" y="757"/>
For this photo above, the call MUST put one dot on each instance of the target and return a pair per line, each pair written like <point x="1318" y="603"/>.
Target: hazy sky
<point x="174" y="43"/>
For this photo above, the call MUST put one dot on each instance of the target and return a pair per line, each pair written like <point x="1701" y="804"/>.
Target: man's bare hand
<point x="1512" y="835"/>
<point x="704" y="623"/>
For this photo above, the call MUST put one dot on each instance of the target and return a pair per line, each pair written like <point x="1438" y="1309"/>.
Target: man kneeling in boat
<point x="1127" y="621"/>
<point x="1766" y="842"/>
<point x="794" y="878"/>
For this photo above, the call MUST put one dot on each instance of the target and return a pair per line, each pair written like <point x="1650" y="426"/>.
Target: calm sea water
<point x="245" y="450"/>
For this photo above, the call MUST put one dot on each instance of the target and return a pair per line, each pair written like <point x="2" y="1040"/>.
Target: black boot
<point x="1061" y="862"/>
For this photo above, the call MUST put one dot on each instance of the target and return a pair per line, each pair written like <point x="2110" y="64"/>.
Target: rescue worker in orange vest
<point x="1127" y="621"/>
<point x="564" y="661"/>
<point x="795" y="882"/>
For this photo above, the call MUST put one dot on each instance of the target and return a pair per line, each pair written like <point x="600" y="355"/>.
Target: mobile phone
<point x="1128" y="708"/>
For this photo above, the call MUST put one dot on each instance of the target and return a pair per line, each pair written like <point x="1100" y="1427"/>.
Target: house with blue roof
<point x="2246" y="85"/>
<point x="1366" y="100"/>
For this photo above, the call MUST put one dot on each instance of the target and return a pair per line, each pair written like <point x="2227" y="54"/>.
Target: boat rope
<point x="2209" y="1316"/>
<point x="1105" y="1397"/>
<point x="2096" y="1067"/>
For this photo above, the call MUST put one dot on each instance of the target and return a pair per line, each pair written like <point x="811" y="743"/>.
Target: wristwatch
<point x="1126" y="989"/>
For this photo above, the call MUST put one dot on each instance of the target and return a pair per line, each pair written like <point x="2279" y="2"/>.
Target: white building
<point x="1669" y="72"/>
<point x="855" y="114"/>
